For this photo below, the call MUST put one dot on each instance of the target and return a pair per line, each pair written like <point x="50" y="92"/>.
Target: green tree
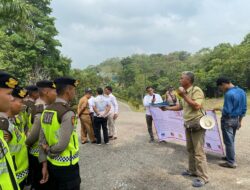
<point x="36" y="56"/>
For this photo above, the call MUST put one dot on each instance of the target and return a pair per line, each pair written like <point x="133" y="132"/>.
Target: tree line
<point x="28" y="44"/>
<point x="131" y="75"/>
<point x="30" y="51"/>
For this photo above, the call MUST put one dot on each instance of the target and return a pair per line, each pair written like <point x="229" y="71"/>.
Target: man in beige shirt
<point x="85" y="118"/>
<point x="192" y="106"/>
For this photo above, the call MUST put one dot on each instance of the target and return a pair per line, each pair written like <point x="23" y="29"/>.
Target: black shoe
<point x="224" y="158"/>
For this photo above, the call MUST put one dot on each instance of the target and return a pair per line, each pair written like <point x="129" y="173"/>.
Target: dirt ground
<point x="131" y="162"/>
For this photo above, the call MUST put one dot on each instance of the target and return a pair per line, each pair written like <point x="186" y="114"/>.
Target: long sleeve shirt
<point x="83" y="106"/>
<point x="91" y="104"/>
<point x="235" y="103"/>
<point x="114" y="105"/>
<point x="36" y="126"/>
<point x="148" y="100"/>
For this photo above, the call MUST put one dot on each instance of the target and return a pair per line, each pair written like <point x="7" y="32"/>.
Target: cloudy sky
<point x="94" y="30"/>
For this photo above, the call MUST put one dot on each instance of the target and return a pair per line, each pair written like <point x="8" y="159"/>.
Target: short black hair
<point x="99" y="91"/>
<point x="148" y="87"/>
<point x="88" y="91"/>
<point x="222" y="80"/>
<point x="109" y="88"/>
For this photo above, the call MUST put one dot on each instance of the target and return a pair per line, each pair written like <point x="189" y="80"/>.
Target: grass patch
<point x="132" y="107"/>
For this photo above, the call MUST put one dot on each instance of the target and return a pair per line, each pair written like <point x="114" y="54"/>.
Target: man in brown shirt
<point x="84" y="115"/>
<point x="192" y="106"/>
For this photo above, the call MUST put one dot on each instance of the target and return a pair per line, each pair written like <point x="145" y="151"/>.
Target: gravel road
<point x="131" y="163"/>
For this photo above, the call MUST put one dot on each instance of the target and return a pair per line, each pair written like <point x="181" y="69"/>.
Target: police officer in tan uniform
<point x="7" y="175"/>
<point x="38" y="171"/>
<point x="85" y="118"/>
<point x="59" y="139"/>
<point x="17" y="145"/>
<point x="29" y="107"/>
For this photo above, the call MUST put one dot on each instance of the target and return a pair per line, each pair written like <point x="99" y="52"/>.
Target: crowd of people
<point x="39" y="146"/>
<point x="191" y="100"/>
<point x="98" y="113"/>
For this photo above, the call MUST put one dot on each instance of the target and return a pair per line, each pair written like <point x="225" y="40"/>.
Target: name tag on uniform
<point x="47" y="117"/>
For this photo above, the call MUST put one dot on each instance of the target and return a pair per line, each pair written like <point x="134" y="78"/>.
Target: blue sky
<point x="93" y="30"/>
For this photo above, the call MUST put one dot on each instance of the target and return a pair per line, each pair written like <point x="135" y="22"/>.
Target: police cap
<point x="46" y="84"/>
<point x="19" y="92"/>
<point x="67" y="81"/>
<point x="7" y="81"/>
<point x="31" y="88"/>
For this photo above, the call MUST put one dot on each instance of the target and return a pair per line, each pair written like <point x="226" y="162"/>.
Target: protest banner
<point x="170" y="127"/>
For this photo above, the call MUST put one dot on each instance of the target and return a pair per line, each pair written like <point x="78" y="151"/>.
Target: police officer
<point x="33" y="94"/>
<point x="18" y="149"/>
<point x="47" y="94"/>
<point x="7" y="172"/>
<point x="29" y="103"/>
<point x="59" y="138"/>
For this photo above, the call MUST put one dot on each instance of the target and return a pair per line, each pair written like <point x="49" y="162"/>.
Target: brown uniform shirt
<point x="83" y="105"/>
<point x="197" y="95"/>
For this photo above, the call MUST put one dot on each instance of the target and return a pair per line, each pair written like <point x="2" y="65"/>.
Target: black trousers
<point x="92" y="121"/>
<point x="35" y="174"/>
<point x="64" y="177"/>
<point x="149" y="120"/>
<point x="99" y="123"/>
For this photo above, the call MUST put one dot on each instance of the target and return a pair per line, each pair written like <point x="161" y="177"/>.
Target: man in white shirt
<point x="150" y="98"/>
<point x="91" y="105"/>
<point x="113" y="114"/>
<point x="101" y="110"/>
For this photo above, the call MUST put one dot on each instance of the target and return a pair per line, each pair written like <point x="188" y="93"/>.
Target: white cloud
<point x="94" y="30"/>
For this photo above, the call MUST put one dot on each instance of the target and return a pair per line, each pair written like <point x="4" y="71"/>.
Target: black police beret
<point x="46" y="84"/>
<point x="19" y="92"/>
<point x="67" y="81"/>
<point x="7" y="81"/>
<point x="31" y="88"/>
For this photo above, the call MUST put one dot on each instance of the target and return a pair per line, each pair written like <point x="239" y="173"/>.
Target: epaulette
<point x="61" y="108"/>
<point x="39" y="108"/>
<point x="36" y="110"/>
